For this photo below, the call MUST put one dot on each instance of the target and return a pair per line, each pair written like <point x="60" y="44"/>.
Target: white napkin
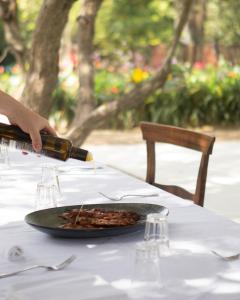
<point x="85" y="286"/>
<point x="12" y="253"/>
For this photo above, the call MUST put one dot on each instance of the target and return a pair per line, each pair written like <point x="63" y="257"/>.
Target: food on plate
<point x="78" y="218"/>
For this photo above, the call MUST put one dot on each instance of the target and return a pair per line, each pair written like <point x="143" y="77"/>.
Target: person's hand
<point x="31" y="123"/>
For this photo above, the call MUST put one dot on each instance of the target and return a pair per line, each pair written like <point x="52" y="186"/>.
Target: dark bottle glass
<point x="52" y="146"/>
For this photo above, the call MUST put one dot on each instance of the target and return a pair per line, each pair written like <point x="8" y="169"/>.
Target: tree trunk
<point x="136" y="96"/>
<point x="44" y="56"/>
<point x="9" y="16"/>
<point x="86" y="22"/>
<point x="196" y="22"/>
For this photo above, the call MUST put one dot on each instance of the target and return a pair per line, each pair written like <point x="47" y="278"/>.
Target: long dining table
<point x="105" y="265"/>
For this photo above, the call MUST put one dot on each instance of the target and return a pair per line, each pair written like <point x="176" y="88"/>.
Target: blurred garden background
<point x="130" y="43"/>
<point x="97" y="66"/>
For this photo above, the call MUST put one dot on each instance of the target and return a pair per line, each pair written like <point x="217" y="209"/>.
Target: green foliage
<point x="9" y="59"/>
<point x="223" y="23"/>
<point x="63" y="108"/>
<point x="27" y="17"/>
<point x="11" y="79"/>
<point x="27" y="21"/>
<point x="133" y="26"/>
<point x="124" y="28"/>
<point x="204" y="95"/>
<point x="64" y="99"/>
<point x="108" y="84"/>
<point x="201" y="96"/>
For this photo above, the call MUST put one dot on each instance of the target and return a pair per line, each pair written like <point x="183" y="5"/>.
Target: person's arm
<point x="29" y="121"/>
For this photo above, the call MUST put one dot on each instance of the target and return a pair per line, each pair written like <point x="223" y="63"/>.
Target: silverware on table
<point x="128" y="195"/>
<point x="227" y="258"/>
<point x="76" y="170"/>
<point x="60" y="266"/>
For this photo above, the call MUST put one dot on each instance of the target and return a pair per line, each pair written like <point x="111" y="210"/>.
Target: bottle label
<point x="12" y="144"/>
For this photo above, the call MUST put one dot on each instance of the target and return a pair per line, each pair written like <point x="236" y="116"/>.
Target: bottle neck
<point x="79" y="153"/>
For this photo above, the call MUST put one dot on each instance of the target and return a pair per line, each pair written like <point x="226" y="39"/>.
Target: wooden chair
<point x="153" y="133"/>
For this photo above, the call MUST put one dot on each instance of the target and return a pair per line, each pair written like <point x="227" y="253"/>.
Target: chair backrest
<point x="153" y="132"/>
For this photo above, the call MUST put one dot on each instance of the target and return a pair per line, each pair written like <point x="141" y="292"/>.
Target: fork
<point x="227" y="258"/>
<point x="128" y="195"/>
<point x="60" y="266"/>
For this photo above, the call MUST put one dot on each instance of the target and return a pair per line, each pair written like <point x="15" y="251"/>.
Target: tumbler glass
<point x="156" y="232"/>
<point x="50" y="176"/>
<point x="4" y="163"/>
<point x="4" y="155"/>
<point x="46" y="196"/>
<point x="146" y="279"/>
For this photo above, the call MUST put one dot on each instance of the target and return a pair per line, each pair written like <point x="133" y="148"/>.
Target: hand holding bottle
<point x="27" y="134"/>
<point x="29" y="121"/>
<point x="32" y="124"/>
<point x="52" y="146"/>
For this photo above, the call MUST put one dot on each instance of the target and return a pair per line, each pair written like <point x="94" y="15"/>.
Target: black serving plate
<point x="48" y="220"/>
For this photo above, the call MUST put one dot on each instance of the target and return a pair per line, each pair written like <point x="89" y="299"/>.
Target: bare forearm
<point x="9" y="106"/>
<point x="27" y="120"/>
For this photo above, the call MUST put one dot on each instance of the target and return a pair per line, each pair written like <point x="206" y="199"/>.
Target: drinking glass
<point x="146" y="279"/>
<point x="4" y="155"/>
<point x="49" y="176"/>
<point x="46" y="196"/>
<point x="4" y="162"/>
<point x="156" y="232"/>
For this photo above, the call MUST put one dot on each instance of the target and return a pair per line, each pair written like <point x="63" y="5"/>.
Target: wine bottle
<point x="52" y="146"/>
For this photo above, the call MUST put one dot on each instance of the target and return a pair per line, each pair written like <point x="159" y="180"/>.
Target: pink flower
<point x="2" y="69"/>
<point x="199" y="65"/>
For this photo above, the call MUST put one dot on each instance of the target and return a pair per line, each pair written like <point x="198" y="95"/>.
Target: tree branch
<point x="4" y="54"/>
<point x="136" y="96"/>
<point x="9" y="16"/>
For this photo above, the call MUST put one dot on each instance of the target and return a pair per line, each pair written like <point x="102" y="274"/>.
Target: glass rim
<point x="156" y="217"/>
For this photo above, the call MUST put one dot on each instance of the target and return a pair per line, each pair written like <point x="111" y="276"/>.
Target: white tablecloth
<point x="194" y="273"/>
